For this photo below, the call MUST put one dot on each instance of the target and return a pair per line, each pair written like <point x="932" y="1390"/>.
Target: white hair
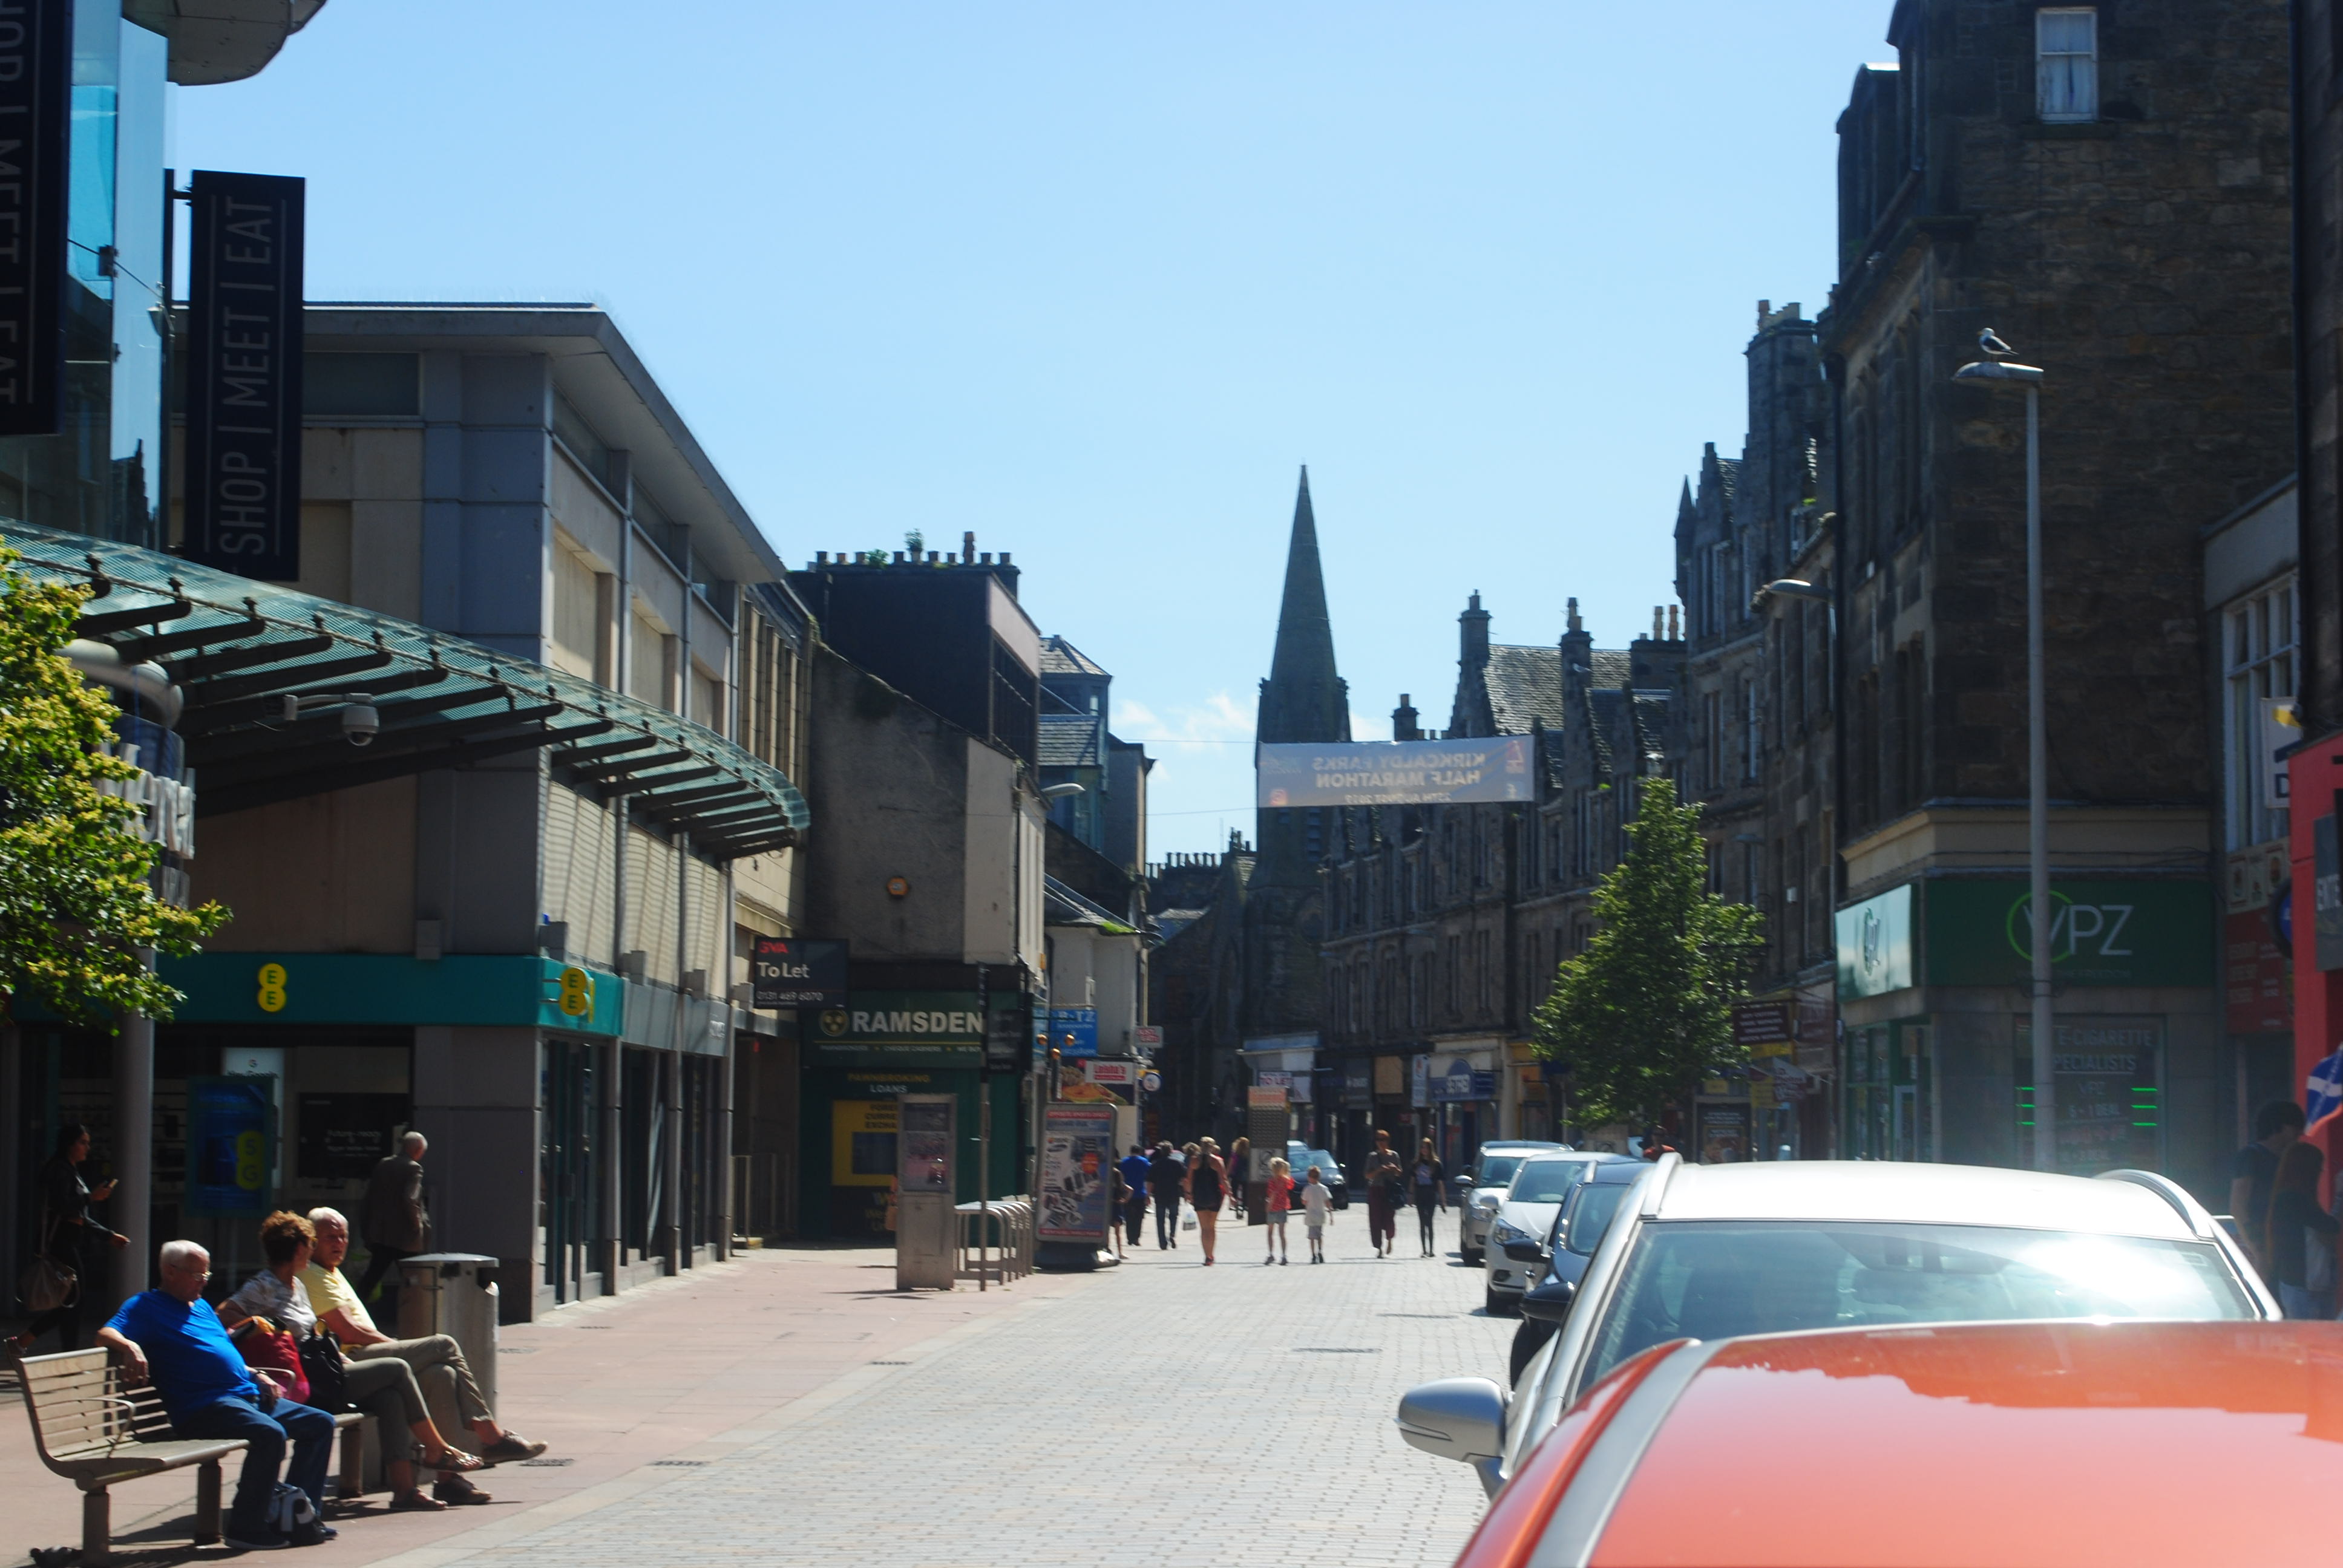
<point x="319" y="1216"/>
<point x="413" y="1140"/>
<point x="183" y="1255"/>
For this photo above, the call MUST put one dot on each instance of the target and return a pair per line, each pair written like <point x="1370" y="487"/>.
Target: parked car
<point x="2088" y="1444"/>
<point x="1480" y="1190"/>
<point x="1525" y="1214"/>
<point x="1300" y="1157"/>
<point x="1554" y="1266"/>
<point x="1705" y="1252"/>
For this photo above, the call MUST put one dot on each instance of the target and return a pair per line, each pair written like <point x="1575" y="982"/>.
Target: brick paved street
<point x="755" y="1412"/>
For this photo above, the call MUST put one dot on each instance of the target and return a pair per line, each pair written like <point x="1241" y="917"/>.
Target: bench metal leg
<point x="96" y="1527"/>
<point x="207" y="1502"/>
<point x="353" y="1479"/>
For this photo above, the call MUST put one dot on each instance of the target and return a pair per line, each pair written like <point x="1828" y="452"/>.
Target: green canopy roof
<point x="235" y="649"/>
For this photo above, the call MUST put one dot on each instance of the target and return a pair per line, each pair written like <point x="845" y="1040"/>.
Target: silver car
<point x="1526" y="1213"/>
<point x="1483" y="1187"/>
<point x="1708" y="1251"/>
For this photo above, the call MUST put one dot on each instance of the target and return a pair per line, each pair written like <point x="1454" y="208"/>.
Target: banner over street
<point x="1396" y="772"/>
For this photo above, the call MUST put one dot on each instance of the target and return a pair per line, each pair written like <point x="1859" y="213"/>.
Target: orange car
<point x="2062" y="1444"/>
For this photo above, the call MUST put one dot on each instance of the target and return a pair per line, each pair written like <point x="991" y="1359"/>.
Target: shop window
<point x="2257" y="644"/>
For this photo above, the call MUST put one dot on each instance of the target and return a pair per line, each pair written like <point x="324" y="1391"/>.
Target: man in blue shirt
<point x="1134" y="1183"/>
<point x="173" y="1337"/>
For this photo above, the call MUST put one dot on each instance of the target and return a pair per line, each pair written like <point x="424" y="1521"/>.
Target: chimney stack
<point x="1659" y="622"/>
<point x="1575" y="624"/>
<point x="1404" y="724"/>
<point x="967" y="548"/>
<point x="1472" y="629"/>
<point x="1674" y="633"/>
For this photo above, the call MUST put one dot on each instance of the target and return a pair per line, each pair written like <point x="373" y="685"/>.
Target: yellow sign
<point x="272" y="988"/>
<point x="862" y="1143"/>
<point x="577" y="992"/>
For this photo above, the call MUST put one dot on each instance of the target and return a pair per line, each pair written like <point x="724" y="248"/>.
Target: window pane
<point x="2069" y="32"/>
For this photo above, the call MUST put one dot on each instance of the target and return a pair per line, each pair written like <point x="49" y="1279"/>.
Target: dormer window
<point x="2066" y="54"/>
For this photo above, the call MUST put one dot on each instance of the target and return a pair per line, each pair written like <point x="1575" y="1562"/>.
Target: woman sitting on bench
<point x="274" y="1302"/>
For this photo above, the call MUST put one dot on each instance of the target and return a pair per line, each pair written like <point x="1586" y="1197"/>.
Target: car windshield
<point x="1497" y="1169"/>
<point x="1546" y="1181"/>
<point x="1590" y="1217"/>
<point x="1708" y="1280"/>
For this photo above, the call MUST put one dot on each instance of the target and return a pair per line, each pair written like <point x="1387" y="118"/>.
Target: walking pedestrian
<point x="1208" y="1180"/>
<point x="1239" y="1160"/>
<point x="394" y="1224"/>
<point x="1165" y="1177"/>
<point x="68" y="1234"/>
<point x="1276" y="1204"/>
<point x="1135" y="1170"/>
<point x="1430" y="1189"/>
<point x="1317" y="1210"/>
<point x="2276" y="1126"/>
<point x="1385" y="1183"/>
<point x="2295" y="1222"/>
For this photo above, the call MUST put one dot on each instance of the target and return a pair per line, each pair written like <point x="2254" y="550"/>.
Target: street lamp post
<point x="2000" y="371"/>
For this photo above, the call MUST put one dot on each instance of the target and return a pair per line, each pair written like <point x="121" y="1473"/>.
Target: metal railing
<point x="996" y="1242"/>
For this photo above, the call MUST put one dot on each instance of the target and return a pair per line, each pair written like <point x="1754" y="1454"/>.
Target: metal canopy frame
<point x="232" y="646"/>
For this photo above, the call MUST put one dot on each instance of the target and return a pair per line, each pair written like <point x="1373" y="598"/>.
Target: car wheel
<point x="1470" y="1255"/>
<point x="1495" y="1305"/>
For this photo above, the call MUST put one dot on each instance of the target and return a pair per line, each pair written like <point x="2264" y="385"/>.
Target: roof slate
<point x="1524" y="684"/>
<point x="1060" y="656"/>
<point x="1070" y="739"/>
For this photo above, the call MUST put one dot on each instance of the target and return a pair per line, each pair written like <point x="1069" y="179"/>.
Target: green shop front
<point x="858" y="1062"/>
<point x="1935" y="1059"/>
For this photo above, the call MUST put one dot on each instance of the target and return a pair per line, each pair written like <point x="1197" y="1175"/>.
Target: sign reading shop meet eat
<point x="244" y="374"/>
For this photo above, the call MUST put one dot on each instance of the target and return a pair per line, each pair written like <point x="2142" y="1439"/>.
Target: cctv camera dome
<point x="360" y="723"/>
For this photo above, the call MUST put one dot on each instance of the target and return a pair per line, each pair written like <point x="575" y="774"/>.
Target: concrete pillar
<point x="130" y="1210"/>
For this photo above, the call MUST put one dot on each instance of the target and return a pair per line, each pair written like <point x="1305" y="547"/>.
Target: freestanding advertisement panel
<point x="1077" y="1192"/>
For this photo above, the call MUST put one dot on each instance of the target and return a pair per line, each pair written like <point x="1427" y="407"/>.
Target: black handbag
<point x="322" y="1365"/>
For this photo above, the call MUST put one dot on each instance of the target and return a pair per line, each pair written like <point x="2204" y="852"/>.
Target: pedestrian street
<point x="1158" y="1413"/>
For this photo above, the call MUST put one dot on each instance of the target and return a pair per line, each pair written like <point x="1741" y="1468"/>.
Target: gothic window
<point x="2066" y="54"/>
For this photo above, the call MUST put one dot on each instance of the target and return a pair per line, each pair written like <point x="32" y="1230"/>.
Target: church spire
<point x="1304" y="698"/>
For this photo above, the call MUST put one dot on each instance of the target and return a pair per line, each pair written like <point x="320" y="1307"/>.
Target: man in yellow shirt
<point x="437" y="1360"/>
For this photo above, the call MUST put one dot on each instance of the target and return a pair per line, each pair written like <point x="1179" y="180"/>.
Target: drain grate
<point x="679" y="1463"/>
<point x="545" y="1463"/>
<point x="890" y="1363"/>
<point x="1338" y="1350"/>
<point x="1435" y="1317"/>
<point x="516" y="1350"/>
<point x="603" y="1327"/>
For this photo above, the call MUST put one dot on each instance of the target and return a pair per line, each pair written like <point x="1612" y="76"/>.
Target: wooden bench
<point x="95" y="1431"/>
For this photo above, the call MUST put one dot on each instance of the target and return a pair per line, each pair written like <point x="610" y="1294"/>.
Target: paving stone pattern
<point x="1161" y="1414"/>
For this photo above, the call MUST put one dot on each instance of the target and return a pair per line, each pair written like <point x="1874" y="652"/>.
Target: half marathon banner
<point x="36" y="87"/>
<point x="244" y="375"/>
<point x="1396" y="772"/>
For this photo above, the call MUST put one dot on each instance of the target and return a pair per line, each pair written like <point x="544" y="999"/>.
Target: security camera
<point x="360" y="723"/>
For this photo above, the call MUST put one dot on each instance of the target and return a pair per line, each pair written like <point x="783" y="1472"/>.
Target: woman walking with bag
<point x="57" y="1281"/>
<point x="1385" y="1183"/>
<point x="1208" y="1181"/>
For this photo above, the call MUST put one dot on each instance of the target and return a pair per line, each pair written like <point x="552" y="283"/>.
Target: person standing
<point x="395" y="1223"/>
<point x="1317" y="1208"/>
<point x="1208" y="1180"/>
<point x="67" y="1236"/>
<point x="1276" y="1204"/>
<point x="2295" y="1218"/>
<point x="172" y="1335"/>
<point x="1428" y="1187"/>
<point x="1165" y="1177"/>
<point x="1386" y="1181"/>
<point x="2276" y="1126"/>
<point x="1136" y="1171"/>
<point x="1238" y="1161"/>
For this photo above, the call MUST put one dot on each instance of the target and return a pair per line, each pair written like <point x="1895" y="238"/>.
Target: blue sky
<point x="1094" y="281"/>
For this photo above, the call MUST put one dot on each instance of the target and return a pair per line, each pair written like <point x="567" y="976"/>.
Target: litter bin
<point x="454" y="1294"/>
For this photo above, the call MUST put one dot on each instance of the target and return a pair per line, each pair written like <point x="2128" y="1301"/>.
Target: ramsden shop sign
<point x="36" y="60"/>
<point x="244" y="374"/>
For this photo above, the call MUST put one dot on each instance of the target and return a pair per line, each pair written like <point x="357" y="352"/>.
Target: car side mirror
<point x="1458" y="1418"/>
<point x="1550" y="1302"/>
<point x="1525" y="1251"/>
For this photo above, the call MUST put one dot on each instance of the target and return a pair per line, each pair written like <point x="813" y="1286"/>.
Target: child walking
<point x="1317" y="1208"/>
<point x="1279" y="1202"/>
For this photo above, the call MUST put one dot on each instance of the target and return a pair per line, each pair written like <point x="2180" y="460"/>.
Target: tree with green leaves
<point x="76" y="896"/>
<point x="1645" y="1012"/>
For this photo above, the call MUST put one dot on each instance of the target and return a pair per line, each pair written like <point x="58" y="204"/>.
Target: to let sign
<point x="35" y="85"/>
<point x="797" y="971"/>
<point x="244" y="375"/>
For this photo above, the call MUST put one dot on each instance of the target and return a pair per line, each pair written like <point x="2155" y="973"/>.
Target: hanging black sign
<point x="35" y="86"/>
<point x="797" y="971"/>
<point x="244" y="375"/>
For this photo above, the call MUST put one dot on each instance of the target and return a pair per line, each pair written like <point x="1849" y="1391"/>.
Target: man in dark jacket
<point x="1163" y="1175"/>
<point x="394" y="1224"/>
<point x="1137" y="1169"/>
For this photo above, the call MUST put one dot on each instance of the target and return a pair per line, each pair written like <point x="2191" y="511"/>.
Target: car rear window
<point x="1546" y="1181"/>
<point x="1709" y="1280"/>
<point x="1591" y="1216"/>
<point x="1496" y="1170"/>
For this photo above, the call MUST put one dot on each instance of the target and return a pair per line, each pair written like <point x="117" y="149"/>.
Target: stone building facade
<point x="2108" y="187"/>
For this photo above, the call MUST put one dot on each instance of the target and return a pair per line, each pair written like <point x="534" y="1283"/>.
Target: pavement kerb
<point x="841" y="1390"/>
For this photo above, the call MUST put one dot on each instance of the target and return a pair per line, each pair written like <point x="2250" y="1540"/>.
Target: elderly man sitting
<point x="173" y="1336"/>
<point x="438" y="1361"/>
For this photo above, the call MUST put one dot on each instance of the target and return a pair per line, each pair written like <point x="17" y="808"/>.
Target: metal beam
<point x="139" y="649"/>
<point x="211" y="716"/>
<point x="245" y="768"/>
<point x="601" y="772"/>
<point x="211" y="693"/>
<point x="197" y="666"/>
<point x="731" y="787"/>
<point x="587" y="758"/>
<point x="235" y="744"/>
<point x="212" y="801"/>
<point x="114" y="620"/>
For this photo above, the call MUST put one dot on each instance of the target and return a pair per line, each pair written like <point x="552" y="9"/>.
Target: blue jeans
<point x="2315" y="1306"/>
<point x="265" y="1433"/>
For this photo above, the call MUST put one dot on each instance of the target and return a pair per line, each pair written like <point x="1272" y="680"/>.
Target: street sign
<point x="1765" y="1028"/>
<point x="1008" y="1034"/>
<point x="1151" y="1081"/>
<point x="797" y="971"/>
<point x="1117" y="1073"/>
<point x="1148" y="1037"/>
<point x="1260" y="1099"/>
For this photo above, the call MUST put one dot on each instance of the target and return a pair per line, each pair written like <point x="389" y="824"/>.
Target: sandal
<point x="415" y="1502"/>
<point x="453" y="1462"/>
<point x="455" y="1491"/>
